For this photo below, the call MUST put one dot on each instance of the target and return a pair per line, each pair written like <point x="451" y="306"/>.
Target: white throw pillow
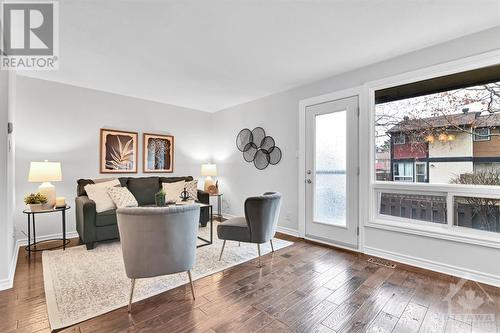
<point x="192" y="188"/>
<point x="122" y="197"/>
<point x="173" y="190"/>
<point x="99" y="194"/>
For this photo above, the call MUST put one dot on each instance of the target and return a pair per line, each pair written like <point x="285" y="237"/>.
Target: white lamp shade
<point x="209" y="170"/>
<point x="41" y="172"/>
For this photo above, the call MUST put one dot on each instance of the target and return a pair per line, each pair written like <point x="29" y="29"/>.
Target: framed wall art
<point x="118" y="151"/>
<point x="158" y="153"/>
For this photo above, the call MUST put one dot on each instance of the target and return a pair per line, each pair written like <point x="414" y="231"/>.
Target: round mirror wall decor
<point x="257" y="148"/>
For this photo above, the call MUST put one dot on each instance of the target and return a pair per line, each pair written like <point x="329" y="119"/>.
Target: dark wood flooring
<point x="302" y="288"/>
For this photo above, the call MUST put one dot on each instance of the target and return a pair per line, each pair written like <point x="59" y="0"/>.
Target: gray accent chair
<point x="259" y="224"/>
<point x="158" y="241"/>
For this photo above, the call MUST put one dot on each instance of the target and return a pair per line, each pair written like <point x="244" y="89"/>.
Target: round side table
<point x="31" y="247"/>
<point x="219" y="204"/>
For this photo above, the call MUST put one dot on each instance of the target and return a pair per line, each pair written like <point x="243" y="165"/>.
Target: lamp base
<point x="208" y="182"/>
<point x="49" y="191"/>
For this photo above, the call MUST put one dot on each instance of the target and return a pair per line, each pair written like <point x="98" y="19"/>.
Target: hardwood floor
<point x="303" y="288"/>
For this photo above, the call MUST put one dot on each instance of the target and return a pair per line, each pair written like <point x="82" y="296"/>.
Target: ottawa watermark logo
<point x="29" y="35"/>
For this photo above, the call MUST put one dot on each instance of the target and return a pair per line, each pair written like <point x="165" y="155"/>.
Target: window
<point x="421" y="172"/>
<point x="441" y="138"/>
<point x="482" y="134"/>
<point x="403" y="171"/>
<point x="399" y="139"/>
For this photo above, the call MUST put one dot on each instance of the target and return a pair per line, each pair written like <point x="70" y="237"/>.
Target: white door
<point x="331" y="178"/>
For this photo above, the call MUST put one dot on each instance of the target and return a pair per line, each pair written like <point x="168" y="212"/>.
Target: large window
<point x="437" y="160"/>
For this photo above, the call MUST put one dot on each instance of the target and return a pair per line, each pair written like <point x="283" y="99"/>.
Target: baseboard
<point x="9" y="282"/>
<point x="288" y="231"/>
<point x="228" y="216"/>
<point x="435" y="266"/>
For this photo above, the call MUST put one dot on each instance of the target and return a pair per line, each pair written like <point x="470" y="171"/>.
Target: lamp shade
<point x="41" y="172"/>
<point x="209" y="170"/>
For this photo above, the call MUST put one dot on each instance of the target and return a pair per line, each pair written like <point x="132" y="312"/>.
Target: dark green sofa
<point x="93" y="227"/>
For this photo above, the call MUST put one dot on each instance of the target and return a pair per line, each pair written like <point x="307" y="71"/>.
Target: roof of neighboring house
<point x="459" y="119"/>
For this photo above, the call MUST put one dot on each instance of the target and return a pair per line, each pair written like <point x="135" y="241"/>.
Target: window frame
<point x="399" y="135"/>
<point x="482" y="137"/>
<point x="370" y="186"/>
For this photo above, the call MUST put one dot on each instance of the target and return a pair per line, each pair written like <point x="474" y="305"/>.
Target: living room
<point x="268" y="166"/>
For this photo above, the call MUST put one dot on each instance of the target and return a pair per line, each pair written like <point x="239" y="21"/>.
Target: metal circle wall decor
<point x="258" y="148"/>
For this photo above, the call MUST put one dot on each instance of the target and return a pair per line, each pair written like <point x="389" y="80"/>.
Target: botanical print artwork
<point x="158" y="153"/>
<point x="118" y="151"/>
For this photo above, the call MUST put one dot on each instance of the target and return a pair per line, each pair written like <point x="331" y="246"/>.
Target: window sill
<point x="456" y="234"/>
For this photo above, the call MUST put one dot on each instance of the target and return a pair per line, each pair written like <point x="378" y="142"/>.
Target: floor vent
<point x="382" y="262"/>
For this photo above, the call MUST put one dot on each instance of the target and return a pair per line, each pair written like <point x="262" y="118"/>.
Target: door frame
<point x="303" y="104"/>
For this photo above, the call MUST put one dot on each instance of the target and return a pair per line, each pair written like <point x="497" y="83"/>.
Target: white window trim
<point x="481" y="139"/>
<point x="369" y="185"/>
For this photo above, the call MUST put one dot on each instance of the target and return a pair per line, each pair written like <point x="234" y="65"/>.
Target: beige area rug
<point x="81" y="284"/>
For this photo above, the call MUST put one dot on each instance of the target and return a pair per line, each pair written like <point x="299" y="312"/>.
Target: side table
<point x="219" y="204"/>
<point x="31" y="247"/>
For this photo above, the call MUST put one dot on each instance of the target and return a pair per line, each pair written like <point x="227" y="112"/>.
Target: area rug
<point x="81" y="284"/>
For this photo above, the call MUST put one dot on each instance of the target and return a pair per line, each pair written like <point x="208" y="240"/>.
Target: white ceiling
<point x="210" y="55"/>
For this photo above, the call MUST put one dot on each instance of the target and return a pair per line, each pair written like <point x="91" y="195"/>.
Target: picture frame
<point x="158" y="153"/>
<point x="118" y="153"/>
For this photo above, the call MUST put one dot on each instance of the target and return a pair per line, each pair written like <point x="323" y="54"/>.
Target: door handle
<point x="308" y="181"/>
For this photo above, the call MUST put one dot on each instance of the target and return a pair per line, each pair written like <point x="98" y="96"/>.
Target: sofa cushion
<point x="106" y="218"/>
<point x="144" y="189"/>
<point x="99" y="194"/>
<point x="175" y="179"/>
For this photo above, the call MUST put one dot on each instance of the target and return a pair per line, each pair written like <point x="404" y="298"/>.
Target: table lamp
<point x="209" y="171"/>
<point x="46" y="172"/>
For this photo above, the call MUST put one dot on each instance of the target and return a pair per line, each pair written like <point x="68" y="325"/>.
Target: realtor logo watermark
<point x="30" y="35"/>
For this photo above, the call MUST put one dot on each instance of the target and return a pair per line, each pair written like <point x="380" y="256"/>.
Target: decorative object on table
<point x="209" y="171"/>
<point x="36" y="201"/>
<point x="60" y="202"/>
<point x="158" y="153"/>
<point x="173" y="190"/>
<point x="32" y="246"/>
<point x="118" y="151"/>
<point x="214" y="189"/>
<point x="122" y="197"/>
<point x="258" y="148"/>
<point x="184" y="195"/>
<point x="160" y="198"/>
<point x="46" y="172"/>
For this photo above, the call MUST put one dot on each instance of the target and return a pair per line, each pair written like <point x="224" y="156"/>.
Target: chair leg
<point x="239" y="243"/>
<point x="131" y="295"/>
<point x="191" y="283"/>
<point x="272" y="247"/>
<point x="258" y="250"/>
<point x="223" y="245"/>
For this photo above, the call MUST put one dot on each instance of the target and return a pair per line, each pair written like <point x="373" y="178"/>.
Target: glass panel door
<point x="330" y="168"/>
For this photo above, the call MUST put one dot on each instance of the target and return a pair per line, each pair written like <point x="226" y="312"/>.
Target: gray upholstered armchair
<point x="158" y="241"/>
<point x="259" y="224"/>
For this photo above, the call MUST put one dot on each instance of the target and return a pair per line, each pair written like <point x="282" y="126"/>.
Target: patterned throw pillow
<point x="192" y="188"/>
<point x="122" y="197"/>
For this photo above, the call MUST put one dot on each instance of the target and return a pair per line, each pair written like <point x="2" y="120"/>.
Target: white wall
<point x="459" y="147"/>
<point x="278" y="114"/>
<point x="443" y="172"/>
<point x="59" y="122"/>
<point x="6" y="182"/>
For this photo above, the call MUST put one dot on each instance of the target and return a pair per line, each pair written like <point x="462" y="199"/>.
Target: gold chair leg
<point x="272" y="247"/>
<point x="131" y="295"/>
<point x="258" y="250"/>
<point x="222" y="251"/>
<point x="191" y="283"/>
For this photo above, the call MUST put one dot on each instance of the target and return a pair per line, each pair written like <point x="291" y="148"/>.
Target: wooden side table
<point x="219" y="204"/>
<point x="31" y="247"/>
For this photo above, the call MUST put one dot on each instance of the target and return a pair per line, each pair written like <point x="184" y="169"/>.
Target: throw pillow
<point x="192" y="188"/>
<point x="99" y="194"/>
<point x="173" y="190"/>
<point x="122" y="197"/>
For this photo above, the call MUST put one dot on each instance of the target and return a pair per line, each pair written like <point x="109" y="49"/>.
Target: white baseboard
<point x="9" y="282"/>
<point x="435" y="266"/>
<point x="288" y="231"/>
